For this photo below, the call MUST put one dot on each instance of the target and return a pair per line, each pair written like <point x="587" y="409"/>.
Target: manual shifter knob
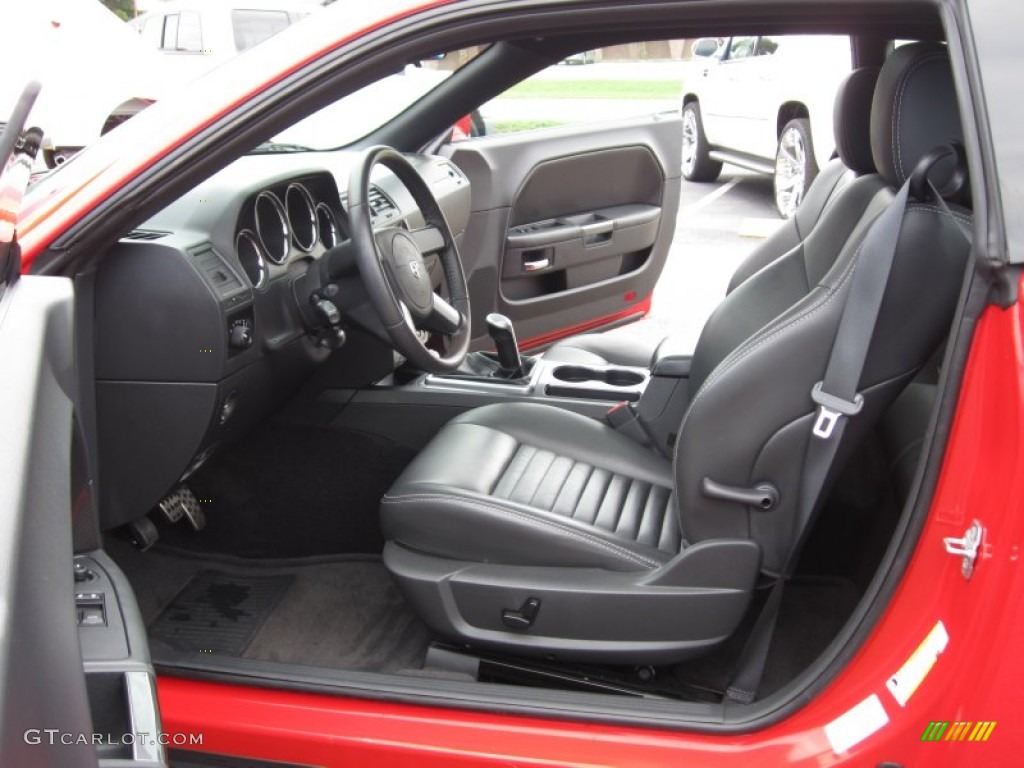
<point x="504" y="338"/>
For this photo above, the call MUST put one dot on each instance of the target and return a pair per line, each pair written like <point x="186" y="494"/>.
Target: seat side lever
<point x="764" y="496"/>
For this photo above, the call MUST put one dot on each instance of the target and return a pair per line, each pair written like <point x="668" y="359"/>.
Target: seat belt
<point x="837" y="399"/>
<point x="836" y="394"/>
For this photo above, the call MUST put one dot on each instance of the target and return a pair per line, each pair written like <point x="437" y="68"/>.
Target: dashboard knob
<point x="82" y="573"/>
<point x="240" y="337"/>
<point x="327" y="310"/>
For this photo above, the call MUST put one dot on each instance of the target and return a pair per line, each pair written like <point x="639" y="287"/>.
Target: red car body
<point x="976" y="678"/>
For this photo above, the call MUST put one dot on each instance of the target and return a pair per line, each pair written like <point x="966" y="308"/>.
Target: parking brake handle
<point x="504" y="337"/>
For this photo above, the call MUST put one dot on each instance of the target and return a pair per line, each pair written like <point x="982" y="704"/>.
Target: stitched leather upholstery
<point x="851" y="118"/>
<point x="905" y="123"/>
<point x="629" y="508"/>
<point x="586" y="494"/>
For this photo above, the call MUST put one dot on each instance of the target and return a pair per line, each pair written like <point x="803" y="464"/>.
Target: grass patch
<point x="515" y="126"/>
<point x="595" y="89"/>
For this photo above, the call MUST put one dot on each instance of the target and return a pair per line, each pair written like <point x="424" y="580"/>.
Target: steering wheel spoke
<point x="443" y="317"/>
<point x="398" y="280"/>
<point x="428" y="239"/>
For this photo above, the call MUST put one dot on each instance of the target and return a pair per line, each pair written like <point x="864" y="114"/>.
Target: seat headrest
<point x="851" y="119"/>
<point x="913" y="111"/>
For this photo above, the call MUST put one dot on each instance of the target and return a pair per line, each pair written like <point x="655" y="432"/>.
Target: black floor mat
<point x="219" y="612"/>
<point x="340" y="612"/>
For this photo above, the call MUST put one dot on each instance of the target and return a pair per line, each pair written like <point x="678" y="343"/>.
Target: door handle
<point x="536" y="265"/>
<point x="602" y="227"/>
<point x="597" y="232"/>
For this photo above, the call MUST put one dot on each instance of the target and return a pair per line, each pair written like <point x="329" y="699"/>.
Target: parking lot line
<point x="710" y="197"/>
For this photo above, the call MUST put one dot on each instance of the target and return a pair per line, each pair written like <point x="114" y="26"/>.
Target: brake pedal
<point x="183" y="503"/>
<point x="143" y="533"/>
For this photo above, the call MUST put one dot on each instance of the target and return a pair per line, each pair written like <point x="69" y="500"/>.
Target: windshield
<point x="354" y="116"/>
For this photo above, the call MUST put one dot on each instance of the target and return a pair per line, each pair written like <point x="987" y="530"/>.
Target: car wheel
<point x="795" y="167"/>
<point x="697" y="165"/>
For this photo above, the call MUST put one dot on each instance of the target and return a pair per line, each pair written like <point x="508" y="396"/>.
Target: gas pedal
<point x="183" y="503"/>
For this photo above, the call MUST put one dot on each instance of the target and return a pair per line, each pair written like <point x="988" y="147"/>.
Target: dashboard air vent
<point x="381" y="204"/>
<point x="144" y="234"/>
<point x="382" y="207"/>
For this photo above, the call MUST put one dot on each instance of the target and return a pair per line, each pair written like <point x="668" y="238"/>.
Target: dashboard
<point x="201" y="324"/>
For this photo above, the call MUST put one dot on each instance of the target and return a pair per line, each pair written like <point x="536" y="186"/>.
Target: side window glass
<point x="591" y="86"/>
<point x="742" y="47"/>
<point x="355" y="115"/>
<point x="190" y="34"/>
<point x="170" y="41"/>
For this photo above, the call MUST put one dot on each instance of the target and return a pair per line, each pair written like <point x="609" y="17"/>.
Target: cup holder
<point x="615" y="377"/>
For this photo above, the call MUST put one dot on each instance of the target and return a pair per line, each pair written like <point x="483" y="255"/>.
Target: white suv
<point x="763" y="103"/>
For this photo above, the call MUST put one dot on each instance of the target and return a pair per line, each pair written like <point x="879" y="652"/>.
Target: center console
<point x="507" y="371"/>
<point x="652" y="400"/>
<point x="551" y="380"/>
<point x="645" y="404"/>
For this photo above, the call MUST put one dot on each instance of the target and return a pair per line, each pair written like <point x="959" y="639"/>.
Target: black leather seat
<point x="532" y="529"/>
<point x="850" y="123"/>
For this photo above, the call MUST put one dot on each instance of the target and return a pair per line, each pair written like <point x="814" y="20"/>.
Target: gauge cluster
<point x="288" y="220"/>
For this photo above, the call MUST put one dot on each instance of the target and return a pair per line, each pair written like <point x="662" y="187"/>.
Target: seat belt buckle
<point x="619" y="414"/>
<point x="831" y="409"/>
<point x="623" y="418"/>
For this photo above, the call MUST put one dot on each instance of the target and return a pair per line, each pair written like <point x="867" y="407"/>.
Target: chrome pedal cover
<point x="183" y="503"/>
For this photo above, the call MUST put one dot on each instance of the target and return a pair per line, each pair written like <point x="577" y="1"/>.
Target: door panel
<point x="78" y="688"/>
<point x="40" y="663"/>
<point x="569" y="228"/>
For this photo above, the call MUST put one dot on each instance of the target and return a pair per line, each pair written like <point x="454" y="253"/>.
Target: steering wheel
<point x="395" y="275"/>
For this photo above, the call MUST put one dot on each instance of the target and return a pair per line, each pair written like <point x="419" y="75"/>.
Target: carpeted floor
<point x="346" y="613"/>
<point x="341" y="612"/>
<point x="293" y="491"/>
